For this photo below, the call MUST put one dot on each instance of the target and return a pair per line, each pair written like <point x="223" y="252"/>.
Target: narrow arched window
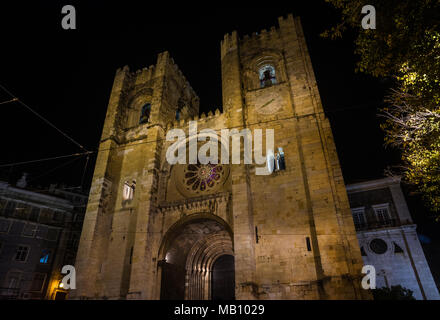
<point x="128" y="191"/>
<point x="145" y="113"/>
<point x="267" y="76"/>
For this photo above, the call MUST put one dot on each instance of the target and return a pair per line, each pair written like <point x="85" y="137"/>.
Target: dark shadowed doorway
<point x="191" y="249"/>
<point x="223" y="278"/>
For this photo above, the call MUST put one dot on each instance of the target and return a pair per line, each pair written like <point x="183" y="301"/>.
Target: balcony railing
<point x="377" y="224"/>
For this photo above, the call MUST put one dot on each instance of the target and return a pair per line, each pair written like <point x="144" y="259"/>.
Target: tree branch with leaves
<point x="405" y="46"/>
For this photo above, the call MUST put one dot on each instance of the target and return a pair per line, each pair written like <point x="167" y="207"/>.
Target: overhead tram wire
<point x="9" y="101"/>
<point x="14" y="98"/>
<point x="84" y="171"/>
<point x="55" y="168"/>
<point x="45" y="159"/>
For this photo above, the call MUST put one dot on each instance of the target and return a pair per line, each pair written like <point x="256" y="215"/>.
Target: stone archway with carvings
<point x="188" y="252"/>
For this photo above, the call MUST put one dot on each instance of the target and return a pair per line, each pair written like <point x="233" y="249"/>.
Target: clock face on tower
<point x="269" y="106"/>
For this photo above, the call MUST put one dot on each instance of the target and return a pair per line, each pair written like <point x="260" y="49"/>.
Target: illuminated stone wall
<point x="263" y="221"/>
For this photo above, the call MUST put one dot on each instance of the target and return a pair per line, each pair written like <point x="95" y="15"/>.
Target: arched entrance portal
<point x="189" y="254"/>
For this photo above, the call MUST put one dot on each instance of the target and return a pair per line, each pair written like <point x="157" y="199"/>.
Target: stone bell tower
<point x="156" y="230"/>
<point x="141" y="105"/>
<point x="294" y="236"/>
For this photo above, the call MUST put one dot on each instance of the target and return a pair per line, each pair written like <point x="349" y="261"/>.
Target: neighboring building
<point x="219" y="231"/>
<point x="39" y="233"/>
<point x="387" y="237"/>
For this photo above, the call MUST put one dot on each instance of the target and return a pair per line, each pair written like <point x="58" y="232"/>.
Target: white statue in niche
<point x="270" y="161"/>
<point x="128" y="191"/>
<point x="281" y="162"/>
<point x="275" y="162"/>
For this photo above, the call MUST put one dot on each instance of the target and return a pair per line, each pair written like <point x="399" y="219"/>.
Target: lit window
<point x="382" y="214"/>
<point x="128" y="191"/>
<point x="267" y="76"/>
<point x="145" y="113"/>
<point x="22" y="253"/>
<point x="45" y="255"/>
<point x="359" y="217"/>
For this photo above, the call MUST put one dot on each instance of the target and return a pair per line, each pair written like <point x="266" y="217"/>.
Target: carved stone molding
<point x="214" y="203"/>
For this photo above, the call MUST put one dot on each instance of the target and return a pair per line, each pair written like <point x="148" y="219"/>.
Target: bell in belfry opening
<point x="281" y="161"/>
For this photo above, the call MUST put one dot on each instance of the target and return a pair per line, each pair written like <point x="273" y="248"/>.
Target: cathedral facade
<point x="156" y="230"/>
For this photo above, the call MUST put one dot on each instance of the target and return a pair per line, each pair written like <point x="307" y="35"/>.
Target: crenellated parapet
<point x="165" y="64"/>
<point x="229" y="43"/>
<point x="204" y="119"/>
<point x="154" y="95"/>
<point x="262" y="36"/>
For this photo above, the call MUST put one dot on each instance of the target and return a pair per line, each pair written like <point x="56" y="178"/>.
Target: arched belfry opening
<point x="191" y="253"/>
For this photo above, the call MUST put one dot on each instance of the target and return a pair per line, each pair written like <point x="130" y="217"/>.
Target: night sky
<point x="67" y="75"/>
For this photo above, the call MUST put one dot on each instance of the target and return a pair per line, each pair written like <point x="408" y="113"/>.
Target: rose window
<point x="194" y="180"/>
<point x="202" y="176"/>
